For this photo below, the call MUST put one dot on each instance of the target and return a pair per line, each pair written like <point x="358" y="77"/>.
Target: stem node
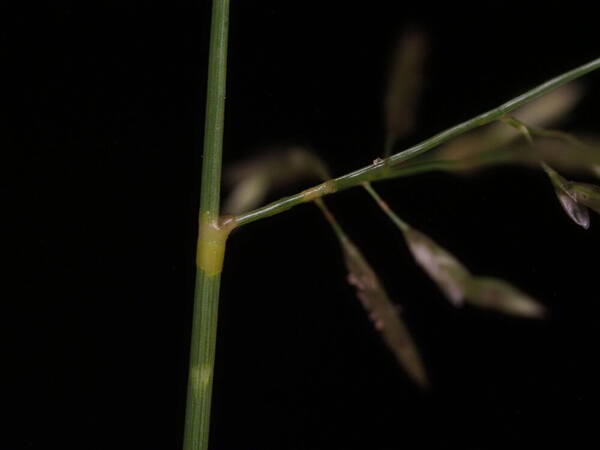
<point x="212" y="237"/>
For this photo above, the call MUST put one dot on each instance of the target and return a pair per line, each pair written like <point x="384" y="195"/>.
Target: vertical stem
<point x="211" y="242"/>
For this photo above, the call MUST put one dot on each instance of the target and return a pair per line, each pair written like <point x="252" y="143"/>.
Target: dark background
<point x="102" y="119"/>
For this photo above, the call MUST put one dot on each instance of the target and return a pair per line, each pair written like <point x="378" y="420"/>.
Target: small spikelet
<point x="574" y="197"/>
<point x="252" y="180"/>
<point x="499" y="295"/>
<point x="443" y="268"/>
<point x="384" y="314"/>
<point x="454" y="279"/>
<point x="405" y="84"/>
<point x="578" y="213"/>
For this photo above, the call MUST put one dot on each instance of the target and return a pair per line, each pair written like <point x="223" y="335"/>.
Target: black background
<point x="102" y="119"/>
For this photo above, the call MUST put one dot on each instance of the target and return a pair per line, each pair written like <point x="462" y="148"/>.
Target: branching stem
<point x="392" y="166"/>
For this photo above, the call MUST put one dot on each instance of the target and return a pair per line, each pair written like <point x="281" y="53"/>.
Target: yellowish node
<point x="211" y="245"/>
<point x="328" y="187"/>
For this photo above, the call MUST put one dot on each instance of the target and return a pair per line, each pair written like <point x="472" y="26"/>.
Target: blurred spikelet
<point x="383" y="313"/>
<point x="453" y="279"/>
<point x="543" y="112"/>
<point x="251" y="180"/>
<point x="404" y="85"/>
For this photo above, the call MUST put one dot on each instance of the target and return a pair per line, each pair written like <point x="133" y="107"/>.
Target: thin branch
<point x="380" y="168"/>
<point x="385" y="208"/>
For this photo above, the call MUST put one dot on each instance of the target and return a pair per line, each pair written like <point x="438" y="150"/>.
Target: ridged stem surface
<point x="211" y="242"/>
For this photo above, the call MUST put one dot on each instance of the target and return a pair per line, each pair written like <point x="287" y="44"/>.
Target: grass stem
<point x="211" y="242"/>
